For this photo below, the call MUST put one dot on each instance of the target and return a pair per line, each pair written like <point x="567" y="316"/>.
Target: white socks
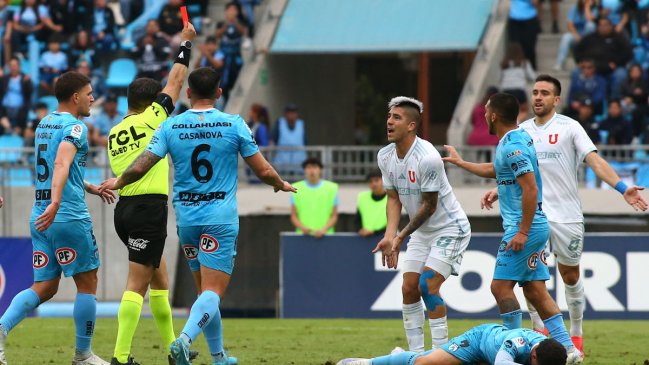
<point x="576" y="304"/>
<point x="413" y="322"/>
<point x="438" y="331"/>
<point x="537" y="322"/>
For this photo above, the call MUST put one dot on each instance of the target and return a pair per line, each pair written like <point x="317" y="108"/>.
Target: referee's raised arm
<point x="180" y="68"/>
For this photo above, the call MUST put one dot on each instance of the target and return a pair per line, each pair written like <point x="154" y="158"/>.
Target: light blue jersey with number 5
<point x="204" y="146"/>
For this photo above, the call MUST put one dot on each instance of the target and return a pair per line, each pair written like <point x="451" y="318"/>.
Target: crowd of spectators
<point x="87" y="35"/>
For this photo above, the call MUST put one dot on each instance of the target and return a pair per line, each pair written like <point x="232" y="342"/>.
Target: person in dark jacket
<point x="16" y="89"/>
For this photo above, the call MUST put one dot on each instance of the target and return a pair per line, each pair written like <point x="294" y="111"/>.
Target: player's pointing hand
<point x="286" y="186"/>
<point x="633" y="197"/>
<point x="453" y="156"/>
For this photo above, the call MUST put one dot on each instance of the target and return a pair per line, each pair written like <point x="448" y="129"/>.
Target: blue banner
<point x="15" y="268"/>
<point x="338" y="277"/>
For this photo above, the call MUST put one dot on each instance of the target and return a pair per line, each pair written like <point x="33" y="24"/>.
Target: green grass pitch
<point x="294" y="342"/>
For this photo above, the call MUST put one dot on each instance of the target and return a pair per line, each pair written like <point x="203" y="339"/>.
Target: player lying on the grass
<point x="483" y="344"/>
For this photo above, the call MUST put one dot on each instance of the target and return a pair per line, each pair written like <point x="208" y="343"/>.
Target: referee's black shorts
<point x="141" y="224"/>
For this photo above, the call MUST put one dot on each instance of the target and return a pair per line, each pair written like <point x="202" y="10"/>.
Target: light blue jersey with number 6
<point x="204" y="146"/>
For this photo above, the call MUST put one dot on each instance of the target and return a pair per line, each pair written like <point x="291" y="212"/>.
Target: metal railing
<point x="344" y="164"/>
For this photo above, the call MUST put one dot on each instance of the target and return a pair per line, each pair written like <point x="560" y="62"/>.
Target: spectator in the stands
<point x="289" y="131"/>
<point x="248" y="12"/>
<point x="74" y="15"/>
<point x="104" y="121"/>
<point x="616" y="12"/>
<point x="480" y="135"/>
<point x="635" y="92"/>
<point x="16" y="90"/>
<point x="258" y="121"/>
<point x="171" y="21"/>
<point x="83" y="50"/>
<point x="610" y="51"/>
<point x="40" y="111"/>
<point x="97" y="81"/>
<point x="211" y="55"/>
<point x="586" y="84"/>
<point x="51" y="21"/>
<point x="515" y="72"/>
<point x="5" y="17"/>
<point x="52" y="64"/>
<point x="153" y="29"/>
<point x="230" y="34"/>
<point x="620" y="130"/>
<point x="581" y="21"/>
<point x="103" y="28"/>
<point x="152" y="53"/>
<point x="523" y="27"/>
<point x="26" y="22"/>
<point x="554" y="11"/>
<point x="586" y="117"/>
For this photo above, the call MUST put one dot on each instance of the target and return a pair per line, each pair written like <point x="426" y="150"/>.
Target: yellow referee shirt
<point x="128" y="139"/>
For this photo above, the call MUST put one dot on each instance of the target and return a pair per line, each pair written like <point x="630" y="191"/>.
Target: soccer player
<point x="521" y="255"/>
<point x="204" y="145"/>
<point x="60" y="223"/>
<point x="562" y="145"/>
<point x="141" y="213"/>
<point x="487" y="343"/>
<point x="414" y="177"/>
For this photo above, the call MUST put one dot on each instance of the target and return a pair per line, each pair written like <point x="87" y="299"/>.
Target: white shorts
<point x="566" y="242"/>
<point x="441" y="251"/>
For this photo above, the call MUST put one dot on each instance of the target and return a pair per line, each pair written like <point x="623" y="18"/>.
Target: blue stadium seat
<point x="121" y="73"/>
<point x="122" y="105"/>
<point x="12" y="142"/>
<point x="21" y="177"/>
<point x="50" y="101"/>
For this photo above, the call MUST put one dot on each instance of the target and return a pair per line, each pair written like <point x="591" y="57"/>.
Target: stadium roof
<point x="361" y="26"/>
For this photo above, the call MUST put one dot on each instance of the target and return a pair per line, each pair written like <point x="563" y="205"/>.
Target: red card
<point x="183" y="12"/>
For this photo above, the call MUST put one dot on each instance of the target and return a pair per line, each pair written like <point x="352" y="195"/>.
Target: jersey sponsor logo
<point x="402" y="177"/>
<point x="201" y="125"/>
<point x="553" y="138"/>
<point x="137" y="244"/>
<point x="191" y="252"/>
<point x="514" y="153"/>
<point x="188" y="196"/>
<point x="76" y="131"/>
<point x="533" y="261"/>
<point x="125" y="139"/>
<point x="208" y="243"/>
<point x="411" y="176"/>
<point x="43" y="194"/>
<point x="506" y="182"/>
<point x="548" y="155"/>
<point x="39" y="259"/>
<point x="519" y="341"/>
<point x="65" y="255"/>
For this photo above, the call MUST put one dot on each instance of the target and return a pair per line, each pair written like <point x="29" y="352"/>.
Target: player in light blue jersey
<point x="204" y="145"/>
<point x="521" y="255"/>
<point x="487" y="343"/>
<point x="60" y="223"/>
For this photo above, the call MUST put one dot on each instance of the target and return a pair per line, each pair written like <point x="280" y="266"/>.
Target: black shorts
<point x="141" y="224"/>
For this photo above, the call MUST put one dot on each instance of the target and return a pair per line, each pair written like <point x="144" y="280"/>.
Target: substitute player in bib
<point x="141" y="213"/>
<point x="204" y="145"/>
<point x="521" y="255"/>
<point x="487" y="343"/>
<point x="562" y="145"/>
<point x="414" y="177"/>
<point x="60" y="223"/>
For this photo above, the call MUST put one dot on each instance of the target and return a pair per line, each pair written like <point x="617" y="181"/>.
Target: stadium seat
<point x="14" y="143"/>
<point x="51" y="102"/>
<point x="20" y="177"/>
<point x="121" y="73"/>
<point x="151" y="11"/>
<point x="94" y="175"/>
<point x="122" y="105"/>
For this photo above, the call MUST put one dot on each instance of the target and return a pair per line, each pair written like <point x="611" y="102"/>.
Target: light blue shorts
<point x="527" y="264"/>
<point x="68" y="247"/>
<point x="211" y="246"/>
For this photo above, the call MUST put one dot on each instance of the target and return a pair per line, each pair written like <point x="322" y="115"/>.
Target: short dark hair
<point x="142" y="92"/>
<point x="550" y="352"/>
<point x="204" y="83"/>
<point x="40" y="105"/>
<point x="372" y="174"/>
<point x="312" y="161"/>
<point x="506" y="106"/>
<point x="69" y="83"/>
<point x="552" y="80"/>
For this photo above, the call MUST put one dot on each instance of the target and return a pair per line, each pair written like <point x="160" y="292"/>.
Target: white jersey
<point x="422" y="170"/>
<point x="561" y="146"/>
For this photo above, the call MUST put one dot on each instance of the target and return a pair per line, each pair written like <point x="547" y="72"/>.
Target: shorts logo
<point x="39" y="259"/>
<point x="544" y="257"/>
<point x="137" y="244"/>
<point x="553" y="140"/>
<point x="65" y="255"/>
<point x="76" y="131"/>
<point x="453" y="347"/>
<point x="191" y="252"/>
<point x="533" y="260"/>
<point x="208" y="243"/>
<point x="411" y="176"/>
<point x="502" y="247"/>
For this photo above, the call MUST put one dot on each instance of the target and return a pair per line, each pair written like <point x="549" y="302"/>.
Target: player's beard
<point x="492" y="129"/>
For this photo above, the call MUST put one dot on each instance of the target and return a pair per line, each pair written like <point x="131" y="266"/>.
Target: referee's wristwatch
<point x="186" y="44"/>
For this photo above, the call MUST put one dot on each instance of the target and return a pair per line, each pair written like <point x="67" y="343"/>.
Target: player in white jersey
<point x="562" y="145"/>
<point x="414" y="178"/>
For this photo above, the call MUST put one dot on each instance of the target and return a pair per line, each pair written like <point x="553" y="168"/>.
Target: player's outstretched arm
<point x="480" y="169"/>
<point x="138" y="168"/>
<point x="266" y="173"/>
<point x="179" y="70"/>
<point x="393" y="212"/>
<point x="107" y="196"/>
<point x="64" y="157"/>
<point x="606" y="173"/>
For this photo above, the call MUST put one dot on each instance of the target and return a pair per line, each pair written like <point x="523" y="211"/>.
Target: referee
<point x="141" y="213"/>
